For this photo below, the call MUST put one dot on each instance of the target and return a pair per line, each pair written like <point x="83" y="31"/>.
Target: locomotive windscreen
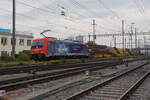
<point x="37" y="44"/>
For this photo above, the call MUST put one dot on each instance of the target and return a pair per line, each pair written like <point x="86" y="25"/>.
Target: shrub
<point x="6" y="58"/>
<point x="23" y="57"/>
<point x="26" y="52"/>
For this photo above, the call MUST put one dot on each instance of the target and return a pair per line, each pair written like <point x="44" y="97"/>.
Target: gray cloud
<point x="37" y="15"/>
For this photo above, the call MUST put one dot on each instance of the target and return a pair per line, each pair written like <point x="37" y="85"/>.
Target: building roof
<point x="21" y="35"/>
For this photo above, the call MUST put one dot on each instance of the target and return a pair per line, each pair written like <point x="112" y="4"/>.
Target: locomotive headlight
<point x="41" y="51"/>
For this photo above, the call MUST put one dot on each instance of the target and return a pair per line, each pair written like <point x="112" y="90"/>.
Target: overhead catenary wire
<point x="44" y="5"/>
<point x="30" y="17"/>
<point x="140" y="10"/>
<point x="82" y="15"/>
<point x="32" y="6"/>
<point x="142" y="5"/>
<point x="65" y="8"/>
<point x="84" y="10"/>
<point x="90" y="12"/>
<point x="79" y="4"/>
<point x="110" y="10"/>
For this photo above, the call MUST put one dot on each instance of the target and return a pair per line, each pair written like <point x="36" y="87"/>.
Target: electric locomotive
<point x="49" y="48"/>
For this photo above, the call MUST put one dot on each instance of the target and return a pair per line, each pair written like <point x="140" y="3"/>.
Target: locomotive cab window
<point x="37" y="44"/>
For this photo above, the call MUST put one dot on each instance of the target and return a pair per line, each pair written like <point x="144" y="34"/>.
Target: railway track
<point x="70" y="89"/>
<point x="141" y="88"/>
<point x="37" y="68"/>
<point x="117" y="88"/>
<point x="130" y="91"/>
<point x="14" y="84"/>
<point x="65" y="70"/>
<point x="22" y="82"/>
<point x="28" y="69"/>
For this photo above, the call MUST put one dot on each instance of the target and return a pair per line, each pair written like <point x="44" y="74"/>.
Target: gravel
<point x="32" y="90"/>
<point x="142" y="92"/>
<point x="126" y="81"/>
<point x="85" y="83"/>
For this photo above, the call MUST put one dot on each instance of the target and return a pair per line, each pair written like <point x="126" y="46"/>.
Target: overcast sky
<point x="34" y="16"/>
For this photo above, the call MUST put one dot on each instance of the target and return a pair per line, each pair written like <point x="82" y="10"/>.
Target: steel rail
<point x="27" y="69"/>
<point x="37" y="80"/>
<point x="56" y="72"/>
<point x="134" y="87"/>
<point x="84" y="92"/>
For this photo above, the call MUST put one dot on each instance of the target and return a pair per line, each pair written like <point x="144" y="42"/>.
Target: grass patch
<point x="54" y="61"/>
<point x="23" y="57"/>
<point x="29" y="63"/>
<point x="72" y="60"/>
<point x="8" y="64"/>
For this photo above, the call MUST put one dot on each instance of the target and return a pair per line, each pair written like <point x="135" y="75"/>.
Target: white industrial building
<point x="23" y="42"/>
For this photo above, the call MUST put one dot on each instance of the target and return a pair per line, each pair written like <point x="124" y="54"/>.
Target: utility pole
<point x="13" y="29"/>
<point x="125" y="42"/>
<point x="123" y="36"/>
<point x="114" y="40"/>
<point x="138" y="44"/>
<point x="94" y="30"/>
<point x="110" y="44"/>
<point x="145" y="44"/>
<point x="89" y="37"/>
<point x="131" y="34"/>
<point x="135" y="40"/>
<point x="131" y="37"/>
<point x="129" y="43"/>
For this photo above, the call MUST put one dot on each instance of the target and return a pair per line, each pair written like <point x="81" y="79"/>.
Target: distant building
<point x="80" y="38"/>
<point x="23" y="42"/>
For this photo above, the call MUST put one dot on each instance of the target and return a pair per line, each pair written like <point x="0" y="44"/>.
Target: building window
<point x="3" y="52"/>
<point x="28" y="42"/>
<point x="3" y="40"/>
<point x="12" y="40"/>
<point x="21" y="42"/>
